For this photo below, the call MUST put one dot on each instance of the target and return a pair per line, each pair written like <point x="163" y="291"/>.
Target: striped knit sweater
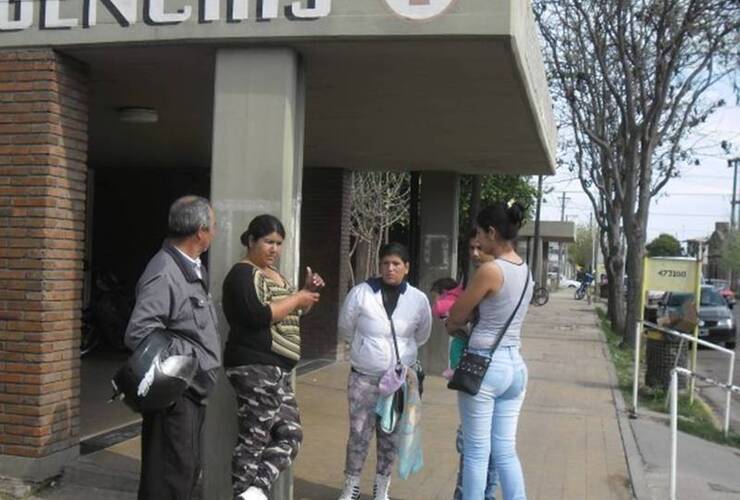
<point x="286" y="334"/>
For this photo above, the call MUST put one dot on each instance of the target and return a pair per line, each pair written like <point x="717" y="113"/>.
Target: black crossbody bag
<point x="473" y="367"/>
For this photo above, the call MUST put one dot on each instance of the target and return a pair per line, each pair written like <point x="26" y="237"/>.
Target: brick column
<point x="325" y="247"/>
<point x="43" y="144"/>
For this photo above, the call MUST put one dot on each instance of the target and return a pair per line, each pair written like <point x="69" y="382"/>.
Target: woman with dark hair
<point x="501" y="290"/>
<point x="264" y="344"/>
<point x="372" y="313"/>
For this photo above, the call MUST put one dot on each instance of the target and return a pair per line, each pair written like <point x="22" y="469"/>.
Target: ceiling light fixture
<point x="137" y="114"/>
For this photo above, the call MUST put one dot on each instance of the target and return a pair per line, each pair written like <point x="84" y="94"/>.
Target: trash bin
<point x="661" y="351"/>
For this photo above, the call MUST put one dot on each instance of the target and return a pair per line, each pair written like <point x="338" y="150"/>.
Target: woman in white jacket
<point x="364" y="322"/>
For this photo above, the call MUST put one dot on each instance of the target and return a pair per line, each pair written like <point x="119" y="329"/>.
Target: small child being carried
<point x="447" y="291"/>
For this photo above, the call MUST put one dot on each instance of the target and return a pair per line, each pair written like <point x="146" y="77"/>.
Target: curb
<point x="635" y="463"/>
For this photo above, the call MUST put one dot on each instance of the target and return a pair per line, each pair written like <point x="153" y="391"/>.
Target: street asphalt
<point x="715" y="364"/>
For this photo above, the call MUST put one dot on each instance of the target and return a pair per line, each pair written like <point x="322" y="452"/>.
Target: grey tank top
<point x="495" y="310"/>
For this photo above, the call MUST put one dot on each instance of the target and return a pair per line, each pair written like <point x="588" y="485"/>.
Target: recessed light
<point x="136" y="114"/>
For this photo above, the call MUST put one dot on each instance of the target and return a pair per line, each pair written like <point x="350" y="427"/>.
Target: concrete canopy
<point x="464" y="91"/>
<point x="556" y="231"/>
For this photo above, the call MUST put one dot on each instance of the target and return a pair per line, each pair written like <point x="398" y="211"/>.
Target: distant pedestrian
<point x="490" y="418"/>
<point x="172" y="296"/>
<point x="264" y="344"/>
<point x="364" y="321"/>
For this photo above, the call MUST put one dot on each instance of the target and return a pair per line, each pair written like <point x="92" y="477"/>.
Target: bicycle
<point x="583" y="289"/>
<point x="540" y="296"/>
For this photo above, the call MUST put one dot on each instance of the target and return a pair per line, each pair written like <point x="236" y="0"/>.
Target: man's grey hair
<point x="188" y="215"/>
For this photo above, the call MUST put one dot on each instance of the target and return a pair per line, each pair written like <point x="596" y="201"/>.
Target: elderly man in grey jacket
<point x="172" y="295"/>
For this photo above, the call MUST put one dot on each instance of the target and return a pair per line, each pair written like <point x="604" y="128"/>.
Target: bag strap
<point x="393" y="329"/>
<point x="511" y="318"/>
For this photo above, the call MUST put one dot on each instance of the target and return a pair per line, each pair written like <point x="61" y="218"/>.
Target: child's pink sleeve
<point x="444" y="303"/>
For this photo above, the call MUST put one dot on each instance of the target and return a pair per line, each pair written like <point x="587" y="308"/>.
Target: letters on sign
<point x="672" y="273"/>
<point x="18" y="15"/>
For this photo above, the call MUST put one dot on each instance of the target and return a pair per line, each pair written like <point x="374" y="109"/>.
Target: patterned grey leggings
<point x="270" y="433"/>
<point x="362" y="392"/>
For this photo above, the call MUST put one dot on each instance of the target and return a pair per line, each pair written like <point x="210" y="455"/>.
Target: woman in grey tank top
<point x="490" y="418"/>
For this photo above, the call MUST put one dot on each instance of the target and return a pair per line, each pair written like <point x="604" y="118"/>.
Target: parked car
<point x="716" y="318"/>
<point x="569" y="283"/>
<point x="654" y="297"/>
<point x="723" y="287"/>
<point x="564" y="282"/>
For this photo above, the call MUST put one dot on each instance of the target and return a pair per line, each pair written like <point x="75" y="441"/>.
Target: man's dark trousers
<point x="170" y="451"/>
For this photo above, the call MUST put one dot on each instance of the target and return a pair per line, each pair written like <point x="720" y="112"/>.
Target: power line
<point x="668" y="195"/>
<point x="676" y="214"/>
<point x="703" y="176"/>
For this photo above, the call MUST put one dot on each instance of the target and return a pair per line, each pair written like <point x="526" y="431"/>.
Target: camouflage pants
<point x="270" y="433"/>
<point x="362" y="392"/>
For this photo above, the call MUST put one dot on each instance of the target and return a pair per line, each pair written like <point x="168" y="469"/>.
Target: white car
<point x="564" y="282"/>
<point x="569" y="283"/>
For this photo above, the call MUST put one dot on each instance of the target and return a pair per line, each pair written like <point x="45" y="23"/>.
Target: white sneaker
<point x="381" y="486"/>
<point x="351" y="489"/>
<point x="253" y="493"/>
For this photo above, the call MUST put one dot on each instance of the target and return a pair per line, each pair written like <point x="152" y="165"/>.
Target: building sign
<point x="419" y="9"/>
<point x="18" y="15"/>
<point x="85" y="23"/>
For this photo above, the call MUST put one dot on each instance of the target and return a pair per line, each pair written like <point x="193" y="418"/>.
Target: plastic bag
<point x="410" y="454"/>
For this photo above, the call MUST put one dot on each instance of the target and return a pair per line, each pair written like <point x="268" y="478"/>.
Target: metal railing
<point x="690" y="338"/>
<point x="730" y="388"/>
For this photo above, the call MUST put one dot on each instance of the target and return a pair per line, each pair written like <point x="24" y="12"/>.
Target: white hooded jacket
<point x="364" y="322"/>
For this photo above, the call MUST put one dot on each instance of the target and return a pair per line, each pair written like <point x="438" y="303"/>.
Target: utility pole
<point x="537" y="243"/>
<point x="593" y="242"/>
<point x="733" y="163"/>
<point x="595" y="253"/>
<point x="561" y="244"/>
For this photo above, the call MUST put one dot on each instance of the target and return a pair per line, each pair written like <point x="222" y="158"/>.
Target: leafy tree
<point x="632" y="81"/>
<point x="493" y="188"/>
<point x="580" y="253"/>
<point x="477" y="191"/>
<point x="664" y="245"/>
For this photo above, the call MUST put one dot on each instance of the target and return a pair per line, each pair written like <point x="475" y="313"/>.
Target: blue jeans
<point x="489" y="421"/>
<point x="492" y="480"/>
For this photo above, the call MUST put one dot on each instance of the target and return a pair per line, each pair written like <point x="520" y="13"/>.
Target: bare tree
<point x="380" y="200"/>
<point x="631" y="80"/>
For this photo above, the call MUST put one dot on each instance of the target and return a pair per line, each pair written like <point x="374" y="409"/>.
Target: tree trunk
<point x="635" y="253"/>
<point x="362" y="255"/>
<point x="614" y="264"/>
<point x="636" y="234"/>
<point x="616" y="307"/>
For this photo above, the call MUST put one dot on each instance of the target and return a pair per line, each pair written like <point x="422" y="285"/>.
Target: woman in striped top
<point x="264" y="344"/>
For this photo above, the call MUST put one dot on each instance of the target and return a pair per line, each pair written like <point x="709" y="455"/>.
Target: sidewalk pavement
<point x="569" y="437"/>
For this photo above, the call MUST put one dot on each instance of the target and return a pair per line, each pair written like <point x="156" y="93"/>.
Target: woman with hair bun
<point x="264" y="344"/>
<point x="501" y="289"/>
